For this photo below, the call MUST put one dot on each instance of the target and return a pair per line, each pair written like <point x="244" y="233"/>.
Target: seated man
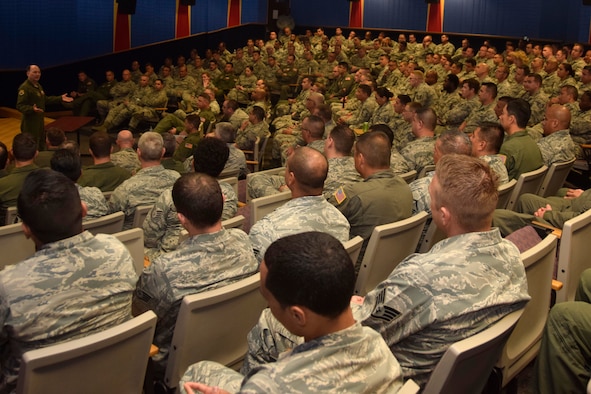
<point x="381" y="198"/>
<point x="68" y="163"/>
<point x="307" y="211"/>
<point x="554" y="211"/>
<point x="24" y="151"/>
<point x="168" y="161"/>
<point x="162" y="227"/>
<point x="486" y="142"/>
<point x="562" y="364"/>
<point x="75" y="284"/>
<point x="103" y="174"/>
<point x="236" y="160"/>
<point x="54" y="137"/>
<point x="556" y="145"/>
<point x="255" y="127"/>
<point x="147" y="184"/>
<point x="211" y="257"/>
<point x="126" y="157"/>
<point x="419" y="152"/>
<point x="425" y="305"/>
<point x="339" y="355"/>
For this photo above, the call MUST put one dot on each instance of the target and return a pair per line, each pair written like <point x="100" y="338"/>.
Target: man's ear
<point x="26" y="230"/>
<point x="84" y="209"/>
<point x="298" y="315"/>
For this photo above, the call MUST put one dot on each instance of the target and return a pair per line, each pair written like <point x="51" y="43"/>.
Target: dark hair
<point x="366" y="89"/>
<point x="521" y="110"/>
<point x="100" y="144"/>
<point x="375" y="148"/>
<point x="493" y="134"/>
<point x="49" y="204"/>
<point x="199" y="198"/>
<point x="193" y="120"/>
<point x="384" y="128"/>
<point x="67" y="162"/>
<point x="472" y="83"/>
<point x="3" y="155"/>
<point x="169" y="144"/>
<point x="55" y="136"/>
<point x="24" y="147"/>
<point x="316" y="125"/>
<point x="405" y="98"/>
<point x="384" y="92"/>
<point x="258" y="112"/>
<point x="310" y="269"/>
<point x="210" y="156"/>
<point x="303" y="163"/>
<point x="343" y="138"/>
<point x="491" y="88"/>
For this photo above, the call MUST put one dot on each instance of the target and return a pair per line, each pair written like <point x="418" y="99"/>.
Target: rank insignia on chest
<point x="340" y="195"/>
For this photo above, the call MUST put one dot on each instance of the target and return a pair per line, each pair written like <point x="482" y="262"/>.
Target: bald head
<point x="557" y="118"/>
<point x="306" y="172"/>
<point x="125" y="139"/>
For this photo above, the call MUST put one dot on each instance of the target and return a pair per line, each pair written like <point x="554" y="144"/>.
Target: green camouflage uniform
<point x="398" y="163"/>
<point x="352" y="360"/>
<point x="484" y="113"/>
<point x="557" y="147"/>
<point x="309" y="213"/>
<point x="383" y="114"/>
<point x="497" y="165"/>
<point x="202" y="262"/>
<point x="460" y="112"/>
<point x="127" y="158"/>
<point x="420" y="193"/>
<point x="236" y="161"/>
<point x="67" y="290"/>
<point x="341" y="171"/>
<point x="246" y="138"/>
<point x="537" y="103"/>
<point x="162" y="227"/>
<point x="119" y="92"/>
<point x="143" y="188"/>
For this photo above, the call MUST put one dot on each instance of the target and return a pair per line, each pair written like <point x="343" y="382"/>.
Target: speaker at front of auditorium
<point x="126" y="7"/>
<point x="187" y="2"/>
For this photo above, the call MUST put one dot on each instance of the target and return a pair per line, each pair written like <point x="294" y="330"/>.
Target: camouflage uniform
<point x="341" y="171"/>
<point x="522" y="154"/>
<point x="236" y="161"/>
<point x="537" y="103"/>
<point x="68" y="289"/>
<point x="261" y="185"/>
<point x="456" y="115"/>
<point x="423" y="94"/>
<point x="309" y="213"/>
<point x="362" y="114"/>
<point x="245" y="139"/>
<point x="580" y="130"/>
<point x="146" y="110"/>
<point x="123" y="111"/>
<point x="237" y="118"/>
<point x="420" y="194"/>
<point x="118" y="93"/>
<point x="95" y="201"/>
<point x="127" y="158"/>
<point x="398" y="163"/>
<point x="445" y="102"/>
<point x="497" y="164"/>
<point x="505" y="88"/>
<point x="484" y="113"/>
<point x="562" y="210"/>
<point x="383" y="114"/>
<point x="248" y="84"/>
<point x="353" y="360"/>
<point x="162" y="227"/>
<point x="143" y="188"/>
<point x="202" y="262"/>
<point x="106" y="176"/>
<point x="557" y="147"/>
<point x="419" y="153"/>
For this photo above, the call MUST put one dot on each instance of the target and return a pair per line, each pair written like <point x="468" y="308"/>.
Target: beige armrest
<point x="555" y="231"/>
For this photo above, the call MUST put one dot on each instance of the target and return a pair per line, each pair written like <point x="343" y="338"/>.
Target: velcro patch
<point x="340" y="195"/>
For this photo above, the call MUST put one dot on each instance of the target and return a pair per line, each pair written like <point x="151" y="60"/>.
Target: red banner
<point x="435" y="17"/>
<point x="183" y="20"/>
<point x="234" y="12"/>
<point x="356" y="14"/>
<point x="122" y="27"/>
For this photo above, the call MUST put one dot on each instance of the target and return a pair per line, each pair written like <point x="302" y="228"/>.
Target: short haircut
<point x="150" y="146"/>
<point x="375" y="148"/>
<point x="454" y="80"/>
<point x="521" y="110"/>
<point x="455" y="141"/>
<point x="428" y="117"/>
<point x="468" y="188"/>
<point x="316" y="126"/>
<point x="205" y="96"/>
<point x="193" y="120"/>
<point x="491" y="88"/>
<point x="258" y="112"/>
<point x="49" y="204"/>
<point x="472" y="83"/>
<point x="233" y="104"/>
<point x="199" y="198"/>
<point x="536" y="78"/>
<point x="569" y="69"/>
<point x="225" y="132"/>
<point x="384" y="128"/>
<point x="72" y="146"/>
<point x="366" y="89"/>
<point x="344" y="64"/>
<point x="312" y="270"/>
<point x="100" y="144"/>
<point x="210" y="156"/>
<point x="493" y="134"/>
<point x="324" y="112"/>
<point x="55" y="136"/>
<point x="404" y="99"/>
<point x="309" y="167"/>
<point x="169" y="141"/>
<point x="24" y="147"/>
<point x="67" y="162"/>
<point x="3" y="155"/>
<point x="470" y="61"/>
<point x="343" y="138"/>
<point x="571" y="91"/>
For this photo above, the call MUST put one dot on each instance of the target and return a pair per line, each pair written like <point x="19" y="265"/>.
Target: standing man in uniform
<point x="31" y="103"/>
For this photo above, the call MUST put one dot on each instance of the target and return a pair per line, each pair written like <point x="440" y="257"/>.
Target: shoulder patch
<point x="21" y="92"/>
<point x="188" y="145"/>
<point x="340" y="195"/>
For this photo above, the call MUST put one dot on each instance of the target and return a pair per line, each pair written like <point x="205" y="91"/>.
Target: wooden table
<point x="71" y="124"/>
